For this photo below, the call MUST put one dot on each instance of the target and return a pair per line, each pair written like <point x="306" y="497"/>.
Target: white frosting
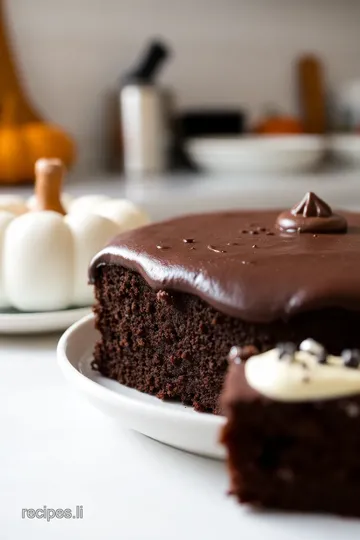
<point x="302" y="378"/>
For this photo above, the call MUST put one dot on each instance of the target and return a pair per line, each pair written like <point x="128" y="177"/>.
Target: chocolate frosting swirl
<point x="253" y="270"/>
<point x="311" y="215"/>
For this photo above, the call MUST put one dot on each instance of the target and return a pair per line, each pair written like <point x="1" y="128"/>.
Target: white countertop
<point x="56" y="450"/>
<point x="183" y="193"/>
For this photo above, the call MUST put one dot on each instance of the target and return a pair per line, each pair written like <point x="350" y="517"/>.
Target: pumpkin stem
<point x="9" y="112"/>
<point x="49" y="175"/>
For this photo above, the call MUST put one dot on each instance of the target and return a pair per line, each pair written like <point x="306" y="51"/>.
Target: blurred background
<point x="252" y="102"/>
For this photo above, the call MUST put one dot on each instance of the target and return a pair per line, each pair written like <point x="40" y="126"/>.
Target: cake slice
<point x="293" y="429"/>
<point x="173" y="297"/>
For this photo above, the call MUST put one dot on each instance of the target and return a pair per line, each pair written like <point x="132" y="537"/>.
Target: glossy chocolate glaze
<point x="243" y="265"/>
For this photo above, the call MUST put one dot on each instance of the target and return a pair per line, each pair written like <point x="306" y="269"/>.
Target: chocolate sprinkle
<point x="315" y="349"/>
<point x="163" y="247"/>
<point x="241" y="354"/>
<point x="234" y="355"/>
<point x="351" y="358"/>
<point x="188" y="240"/>
<point x="322" y="357"/>
<point x="286" y="351"/>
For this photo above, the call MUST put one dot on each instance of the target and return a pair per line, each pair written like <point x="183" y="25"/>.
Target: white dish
<point x="169" y="423"/>
<point x="347" y="148"/>
<point x="36" y="323"/>
<point x="257" y="154"/>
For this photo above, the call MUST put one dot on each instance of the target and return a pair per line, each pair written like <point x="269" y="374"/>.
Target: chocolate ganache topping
<point x="244" y="265"/>
<point x="311" y="215"/>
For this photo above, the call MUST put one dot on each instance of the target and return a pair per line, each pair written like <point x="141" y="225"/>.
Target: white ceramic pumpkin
<point x="45" y="253"/>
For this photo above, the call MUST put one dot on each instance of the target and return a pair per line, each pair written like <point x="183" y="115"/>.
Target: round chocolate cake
<point x="173" y="297"/>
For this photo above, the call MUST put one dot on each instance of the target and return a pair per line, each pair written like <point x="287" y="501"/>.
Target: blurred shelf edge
<point x="174" y="194"/>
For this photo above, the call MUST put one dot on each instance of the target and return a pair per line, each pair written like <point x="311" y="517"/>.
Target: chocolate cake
<point x="173" y="297"/>
<point x="292" y="432"/>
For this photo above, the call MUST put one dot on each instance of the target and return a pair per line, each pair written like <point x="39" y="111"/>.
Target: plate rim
<point x="40" y="322"/>
<point x="22" y="315"/>
<point x="110" y="396"/>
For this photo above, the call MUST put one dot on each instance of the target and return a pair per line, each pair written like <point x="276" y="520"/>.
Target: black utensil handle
<point x="151" y="62"/>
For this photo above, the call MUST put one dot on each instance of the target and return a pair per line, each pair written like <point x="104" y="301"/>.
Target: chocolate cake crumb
<point x="127" y="308"/>
<point x="164" y="296"/>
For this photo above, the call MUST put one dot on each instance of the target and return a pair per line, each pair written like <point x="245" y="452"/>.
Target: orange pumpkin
<point x="277" y="124"/>
<point x="15" y="161"/>
<point x="48" y="141"/>
<point x="21" y="145"/>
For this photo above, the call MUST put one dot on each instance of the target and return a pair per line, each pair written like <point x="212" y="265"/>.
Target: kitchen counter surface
<point x="56" y="450"/>
<point x="184" y="193"/>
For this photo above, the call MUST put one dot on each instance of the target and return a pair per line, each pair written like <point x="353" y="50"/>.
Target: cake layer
<point x="243" y="265"/>
<point x="285" y="453"/>
<point x="175" y="345"/>
<point x="289" y="456"/>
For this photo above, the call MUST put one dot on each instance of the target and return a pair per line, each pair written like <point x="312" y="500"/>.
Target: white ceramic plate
<point x="36" y="323"/>
<point x="169" y="423"/>
<point x="255" y="154"/>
